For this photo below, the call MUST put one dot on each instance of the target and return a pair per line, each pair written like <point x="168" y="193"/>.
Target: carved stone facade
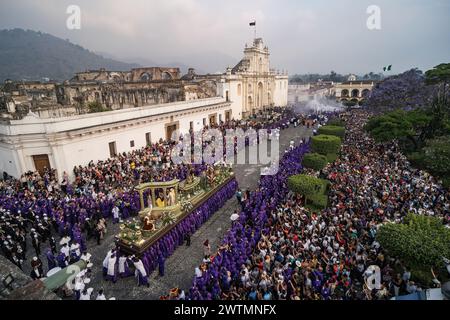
<point x="252" y="85"/>
<point x="111" y="90"/>
<point x="135" y="75"/>
<point x="355" y="91"/>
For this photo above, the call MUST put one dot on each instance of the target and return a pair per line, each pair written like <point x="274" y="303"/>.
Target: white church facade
<point x="252" y="85"/>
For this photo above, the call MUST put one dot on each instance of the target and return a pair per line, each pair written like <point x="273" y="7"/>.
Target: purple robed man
<point x="61" y="258"/>
<point x="161" y="266"/>
<point x="52" y="263"/>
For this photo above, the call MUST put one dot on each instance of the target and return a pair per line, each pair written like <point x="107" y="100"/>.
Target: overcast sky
<point x="303" y="36"/>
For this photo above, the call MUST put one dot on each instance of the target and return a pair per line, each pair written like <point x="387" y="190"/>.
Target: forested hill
<point x="31" y="55"/>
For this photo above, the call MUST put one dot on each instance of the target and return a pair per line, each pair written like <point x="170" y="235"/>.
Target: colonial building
<point x="112" y="90"/>
<point x="355" y="91"/>
<point x="33" y="143"/>
<point x="252" y="85"/>
<point x="100" y="113"/>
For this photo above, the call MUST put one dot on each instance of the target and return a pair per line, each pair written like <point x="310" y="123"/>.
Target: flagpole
<point x="253" y="24"/>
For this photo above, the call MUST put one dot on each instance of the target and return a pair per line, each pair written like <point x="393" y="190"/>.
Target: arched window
<point x="355" y="93"/>
<point x="250" y="102"/>
<point x="365" y="93"/>
<point x="239" y="89"/>
<point x="260" y="95"/>
<point x="166" y="76"/>
<point x="146" y="76"/>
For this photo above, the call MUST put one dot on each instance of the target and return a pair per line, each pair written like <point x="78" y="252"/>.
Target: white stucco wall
<point x="77" y="140"/>
<point x="9" y="162"/>
<point x="237" y="101"/>
<point x="280" y="96"/>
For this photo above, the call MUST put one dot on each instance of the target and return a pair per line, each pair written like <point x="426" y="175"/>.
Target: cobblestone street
<point x="179" y="268"/>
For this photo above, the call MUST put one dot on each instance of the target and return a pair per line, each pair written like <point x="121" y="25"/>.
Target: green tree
<point x="305" y="185"/>
<point x="318" y="201"/>
<point x="314" y="161"/>
<point x="420" y="241"/>
<point x="437" y="157"/>
<point x="439" y="123"/>
<point x="332" y="131"/>
<point x="96" y="106"/>
<point x="350" y="103"/>
<point x="331" y="157"/>
<point x="325" y="144"/>
<point x="439" y="75"/>
<point x="336" y="122"/>
<point x="400" y="125"/>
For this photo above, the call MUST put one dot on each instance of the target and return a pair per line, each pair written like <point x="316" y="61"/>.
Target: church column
<point x="141" y="198"/>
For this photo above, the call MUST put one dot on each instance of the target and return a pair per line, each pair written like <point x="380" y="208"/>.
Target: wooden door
<point x="41" y="162"/>
<point x="170" y="130"/>
<point x="112" y="149"/>
<point x="227" y="115"/>
<point x="212" y="119"/>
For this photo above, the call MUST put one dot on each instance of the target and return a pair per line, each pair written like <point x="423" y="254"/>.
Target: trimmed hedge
<point x="332" y="157"/>
<point x="319" y="201"/>
<point x="314" y="161"/>
<point x="332" y="131"/>
<point x="313" y="189"/>
<point x="350" y="103"/>
<point x="336" y="122"/>
<point x="305" y="185"/>
<point x="325" y="144"/>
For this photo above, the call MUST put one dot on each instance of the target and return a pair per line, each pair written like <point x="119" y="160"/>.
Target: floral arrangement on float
<point x="186" y="206"/>
<point x="167" y="244"/>
<point x="167" y="218"/>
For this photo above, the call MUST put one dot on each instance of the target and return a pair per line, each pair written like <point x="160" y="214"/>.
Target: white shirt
<point x="111" y="266"/>
<point x="65" y="250"/>
<point x="79" y="284"/>
<point x="75" y="247"/>
<point x="140" y="267"/>
<point x="115" y="212"/>
<point x="36" y="271"/>
<point x="122" y="261"/>
<point x="86" y="296"/>
<point x="105" y="261"/>
<point x="86" y="257"/>
<point x="101" y="297"/>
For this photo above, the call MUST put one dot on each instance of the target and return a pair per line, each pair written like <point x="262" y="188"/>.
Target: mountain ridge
<point x="34" y="55"/>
